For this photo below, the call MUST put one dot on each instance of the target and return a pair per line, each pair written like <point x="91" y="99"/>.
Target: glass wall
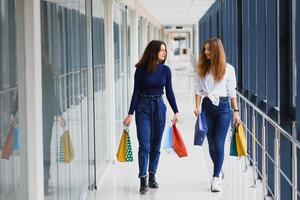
<point x="99" y="85"/>
<point x="149" y="36"/>
<point x="119" y="33"/>
<point x="64" y="95"/>
<point x="10" y="133"/>
<point x="140" y="36"/>
<point x="75" y="135"/>
<point x="128" y="56"/>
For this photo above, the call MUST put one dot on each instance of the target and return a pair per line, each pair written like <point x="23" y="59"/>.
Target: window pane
<point x="64" y="58"/>
<point x="10" y="131"/>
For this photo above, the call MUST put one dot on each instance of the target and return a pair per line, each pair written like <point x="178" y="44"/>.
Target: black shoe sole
<point x="153" y="186"/>
<point x="144" y="191"/>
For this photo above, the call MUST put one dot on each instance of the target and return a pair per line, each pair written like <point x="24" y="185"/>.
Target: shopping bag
<point x="241" y="144"/>
<point x="16" y="139"/>
<point x="124" y="153"/>
<point x="121" y="154"/>
<point x="66" y="150"/>
<point x="178" y="144"/>
<point x="233" y="149"/>
<point x="200" y="129"/>
<point x="168" y="146"/>
<point x="7" y="147"/>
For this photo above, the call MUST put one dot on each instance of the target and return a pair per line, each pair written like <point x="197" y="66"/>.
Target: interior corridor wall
<point x="12" y="134"/>
<point x="296" y="62"/>
<point x="73" y="91"/>
<point x="258" y="38"/>
<point x="99" y="144"/>
<point x="73" y="79"/>
<point x="120" y="51"/>
<point x="64" y="93"/>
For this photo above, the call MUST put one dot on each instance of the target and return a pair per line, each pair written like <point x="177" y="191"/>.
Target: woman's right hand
<point x="62" y="121"/>
<point x="127" y="120"/>
<point x="13" y="121"/>
<point x="197" y="111"/>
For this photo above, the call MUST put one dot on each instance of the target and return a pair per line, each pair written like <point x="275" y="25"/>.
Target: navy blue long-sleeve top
<point x="153" y="84"/>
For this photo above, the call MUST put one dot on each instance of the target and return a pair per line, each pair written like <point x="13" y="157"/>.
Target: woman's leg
<point x="222" y="123"/>
<point x="143" y="134"/>
<point x="209" y="115"/>
<point x="158" y="126"/>
<point x="156" y="137"/>
<point x="210" y="138"/>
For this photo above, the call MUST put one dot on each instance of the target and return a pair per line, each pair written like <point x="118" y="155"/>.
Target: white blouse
<point x="208" y="87"/>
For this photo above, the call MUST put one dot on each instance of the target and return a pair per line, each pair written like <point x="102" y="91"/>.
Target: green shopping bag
<point x="233" y="148"/>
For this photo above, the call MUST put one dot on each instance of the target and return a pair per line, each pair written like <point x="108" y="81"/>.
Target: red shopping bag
<point x="178" y="144"/>
<point x="7" y="147"/>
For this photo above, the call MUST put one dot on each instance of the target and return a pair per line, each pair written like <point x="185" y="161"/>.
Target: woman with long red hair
<point x="215" y="85"/>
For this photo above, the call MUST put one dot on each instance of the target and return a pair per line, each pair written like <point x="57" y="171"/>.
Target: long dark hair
<point x="149" y="59"/>
<point x="217" y="63"/>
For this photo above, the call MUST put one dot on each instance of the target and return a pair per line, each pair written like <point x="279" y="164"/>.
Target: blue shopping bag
<point x="200" y="129"/>
<point x="16" y="139"/>
<point x="168" y="140"/>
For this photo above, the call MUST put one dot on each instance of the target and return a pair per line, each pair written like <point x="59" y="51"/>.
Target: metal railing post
<point x="253" y="148"/>
<point x="277" y="164"/>
<point x="294" y="164"/>
<point x="264" y="163"/>
<point x="246" y="125"/>
<point x="244" y="117"/>
<point x="279" y="132"/>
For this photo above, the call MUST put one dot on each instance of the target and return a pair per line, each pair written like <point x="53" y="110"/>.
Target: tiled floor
<point x="180" y="178"/>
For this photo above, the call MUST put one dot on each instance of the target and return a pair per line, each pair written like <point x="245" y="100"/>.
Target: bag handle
<point x="126" y="128"/>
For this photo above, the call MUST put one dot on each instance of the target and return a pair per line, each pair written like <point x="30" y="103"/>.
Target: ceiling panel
<point x="177" y="12"/>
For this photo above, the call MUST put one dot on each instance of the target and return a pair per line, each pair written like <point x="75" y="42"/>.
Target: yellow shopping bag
<point x="66" y="153"/>
<point x="241" y="143"/>
<point x="124" y="153"/>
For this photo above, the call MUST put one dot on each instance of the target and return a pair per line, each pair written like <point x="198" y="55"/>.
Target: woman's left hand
<point x="236" y="119"/>
<point x="175" y="118"/>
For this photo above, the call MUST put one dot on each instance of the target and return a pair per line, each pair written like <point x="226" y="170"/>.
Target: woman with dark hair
<point x="151" y="76"/>
<point x="215" y="85"/>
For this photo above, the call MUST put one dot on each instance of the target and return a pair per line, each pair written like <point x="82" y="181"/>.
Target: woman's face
<point x="207" y="51"/>
<point x="162" y="53"/>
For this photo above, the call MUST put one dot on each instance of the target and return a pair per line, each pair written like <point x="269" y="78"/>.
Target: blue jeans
<point x="218" y="121"/>
<point x="150" y="118"/>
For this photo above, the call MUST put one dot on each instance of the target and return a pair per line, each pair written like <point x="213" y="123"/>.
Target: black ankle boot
<point x="143" y="187"/>
<point x="152" y="182"/>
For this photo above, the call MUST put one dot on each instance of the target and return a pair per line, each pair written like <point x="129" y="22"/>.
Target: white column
<point x="134" y="44"/>
<point x="90" y="97"/>
<point x="110" y="81"/>
<point x="144" y="35"/>
<point x="20" y="52"/>
<point x="31" y="105"/>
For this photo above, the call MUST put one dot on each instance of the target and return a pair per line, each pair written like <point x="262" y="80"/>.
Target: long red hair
<point x="217" y="62"/>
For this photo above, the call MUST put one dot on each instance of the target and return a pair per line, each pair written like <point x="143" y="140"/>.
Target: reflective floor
<point x="181" y="178"/>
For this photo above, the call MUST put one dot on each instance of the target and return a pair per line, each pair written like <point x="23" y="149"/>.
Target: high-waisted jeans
<point x="150" y="120"/>
<point x="218" y="121"/>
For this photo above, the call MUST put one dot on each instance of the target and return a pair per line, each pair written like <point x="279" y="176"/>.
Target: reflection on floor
<point x="180" y="178"/>
<point x="10" y="176"/>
